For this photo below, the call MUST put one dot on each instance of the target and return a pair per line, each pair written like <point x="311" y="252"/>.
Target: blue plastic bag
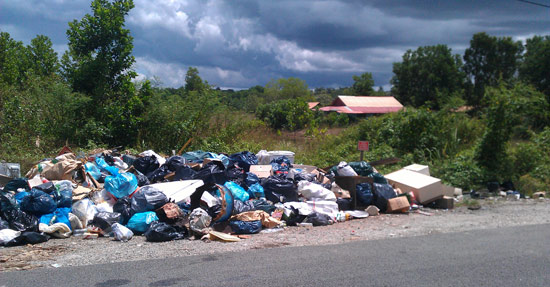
<point x="64" y="194"/>
<point x="140" y="222"/>
<point x="246" y="227"/>
<point x="20" y="195"/>
<point x="121" y="185"/>
<point x="60" y="215"/>
<point x="364" y="193"/>
<point x="281" y="164"/>
<point x="38" y="203"/>
<point x="104" y="166"/>
<point x="256" y="191"/>
<point x="251" y="179"/>
<point x="238" y="192"/>
<point x="93" y="170"/>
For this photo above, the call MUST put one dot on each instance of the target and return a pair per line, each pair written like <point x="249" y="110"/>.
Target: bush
<point x="527" y="185"/>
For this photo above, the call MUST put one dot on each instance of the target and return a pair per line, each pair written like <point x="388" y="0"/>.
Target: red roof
<point x="312" y="104"/>
<point x="364" y="105"/>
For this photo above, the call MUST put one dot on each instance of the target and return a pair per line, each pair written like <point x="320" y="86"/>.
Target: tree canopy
<point x="535" y="67"/>
<point x="428" y="76"/>
<point x="362" y="85"/>
<point x="488" y="60"/>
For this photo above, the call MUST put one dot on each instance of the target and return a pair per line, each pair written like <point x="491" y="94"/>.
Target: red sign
<point x="363" y="145"/>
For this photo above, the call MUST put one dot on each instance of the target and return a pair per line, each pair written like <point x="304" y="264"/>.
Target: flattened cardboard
<point x="262" y="171"/>
<point x="398" y="204"/>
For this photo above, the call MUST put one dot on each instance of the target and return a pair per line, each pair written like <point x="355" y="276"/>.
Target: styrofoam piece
<point x="178" y="190"/>
<point x="423" y="169"/>
<point x="425" y="188"/>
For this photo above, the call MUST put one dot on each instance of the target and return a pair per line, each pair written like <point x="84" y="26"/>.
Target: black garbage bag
<point x="185" y="173"/>
<point x="109" y="159"/>
<point x="295" y="217"/>
<point x="17" y="183"/>
<point x="47" y="187"/>
<point x="7" y="201"/>
<point x="262" y="204"/>
<point x="251" y="179"/>
<point x="124" y="206"/>
<point x="213" y="211"/>
<point x="128" y="159"/>
<point x="20" y="220"/>
<point x="235" y="174"/>
<point x="146" y="164"/>
<point x="344" y="203"/>
<point x="28" y="237"/>
<point x="364" y="193"/>
<point x="278" y="188"/>
<point x="38" y="203"/>
<point x="240" y="207"/>
<point x="382" y="193"/>
<point x="175" y="162"/>
<point x="362" y="168"/>
<point x="104" y="220"/>
<point x="141" y="178"/>
<point x="318" y="219"/>
<point x="378" y="178"/>
<point x="159" y="174"/>
<point x="244" y="159"/>
<point x="161" y="232"/>
<point x="4" y="224"/>
<point x="212" y="173"/>
<point x="148" y="198"/>
<point x="246" y="227"/>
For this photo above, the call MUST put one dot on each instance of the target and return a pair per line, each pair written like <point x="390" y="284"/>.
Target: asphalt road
<point x="516" y="256"/>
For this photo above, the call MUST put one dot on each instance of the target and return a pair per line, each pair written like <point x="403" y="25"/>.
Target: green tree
<point x="362" y="85"/>
<point x="428" y="76"/>
<point x="284" y="89"/>
<point x="488" y="60"/>
<point x="99" y="59"/>
<point x="12" y="60"/>
<point x="99" y="63"/>
<point x="42" y="58"/>
<point x="534" y="68"/>
<point x="193" y="81"/>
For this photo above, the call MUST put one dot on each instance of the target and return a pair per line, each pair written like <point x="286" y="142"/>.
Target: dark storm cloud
<point x="239" y="44"/>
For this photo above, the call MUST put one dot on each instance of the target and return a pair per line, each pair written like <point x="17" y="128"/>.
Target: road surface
<point x="514" y="256"/>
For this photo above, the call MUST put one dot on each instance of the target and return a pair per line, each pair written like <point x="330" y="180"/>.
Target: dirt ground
<point x="75" y="251"/>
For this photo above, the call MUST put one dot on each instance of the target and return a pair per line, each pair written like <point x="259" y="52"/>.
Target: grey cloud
<point x="244" y="43"/>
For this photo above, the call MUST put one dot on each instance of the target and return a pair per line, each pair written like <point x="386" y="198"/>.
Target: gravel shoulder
<point x="75" y="251"/>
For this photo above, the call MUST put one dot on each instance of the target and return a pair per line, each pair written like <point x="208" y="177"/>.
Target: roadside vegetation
<point x="88" y="98"/>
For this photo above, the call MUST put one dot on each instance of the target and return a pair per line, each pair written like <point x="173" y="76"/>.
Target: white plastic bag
<point x="312" y="190"/>
<point x="345" y="170"/>
<point x="120" y="163"/>
<point x="59" y="230"/>
<point x="160" y="159"/>
<point x="103" y="196"/>
<point x="75" y="222"/>
<point x="7" y="235"/>
<point x="85" y="210"/>
<point x="122" y="233"/>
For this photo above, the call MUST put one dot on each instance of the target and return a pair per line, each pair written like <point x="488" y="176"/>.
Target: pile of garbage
<point x="198" y="194"/>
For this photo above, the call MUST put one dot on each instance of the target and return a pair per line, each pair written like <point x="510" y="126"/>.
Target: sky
<point x="242" y="43"/>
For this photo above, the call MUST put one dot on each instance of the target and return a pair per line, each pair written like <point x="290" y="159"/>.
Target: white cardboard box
<point x="423" y="169"/>
<point x="425" y="188"/>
